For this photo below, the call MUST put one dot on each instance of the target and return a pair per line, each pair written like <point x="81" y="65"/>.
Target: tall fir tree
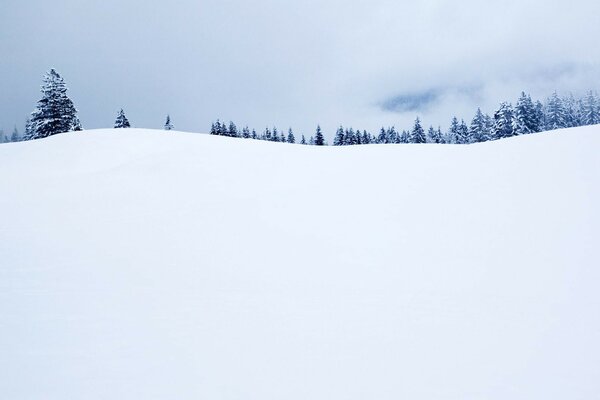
<point x="503" y="121"/>
<point x="555" y="113"/>
<point x="291" y="138"/>
<point x="168" y="124"/>
<point x="591" y="110"/>
<point x="451" y="136"/>
<point x="524" y="121"/>
<point x="418" y="133"/>
<point x="319" y="138"/>
<point x="339" y="138"/>
<point x="55" y="112"/>
<point x="15" y="135"/>
<point x="122" y="121"/>
<point x="478" y="130"/>
<point x="463" y="136"/>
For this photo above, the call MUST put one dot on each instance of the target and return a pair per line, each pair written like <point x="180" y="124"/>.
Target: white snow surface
<point x="139" y="264"/>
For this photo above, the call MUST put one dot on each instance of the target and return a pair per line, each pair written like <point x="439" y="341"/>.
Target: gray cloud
<point x="294" y="63"/>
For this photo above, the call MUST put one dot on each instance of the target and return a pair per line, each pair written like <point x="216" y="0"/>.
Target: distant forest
<point x="55" y="113"/>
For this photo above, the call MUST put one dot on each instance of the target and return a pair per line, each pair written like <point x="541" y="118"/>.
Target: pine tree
<point x="366" y="138"/>
<point x="246" y="132"/>
<point x="524" y="121"/>
<point x="303" y="140"/>
<point x="275" y="135"/>
<point x="555" y="113"/>
<point x="503" y="126"/>
<point x="291" y="138"/>
<point x="232" y="131"/>
<point x="15" y="135"/>
<point x="319" y="139"/>
<point x="434" y="136"/>
<point x="478" y="130"/>
<point x="591" y="111"/>
<point x="339" y="138"/>
<point x="391" y="136"/>
<point x="405" y="137"/>
<point x="571" y="113"/>
<point x="29" y="132"/>
<point x="418" y="133"/>
<point x="350" y="137"/>
<point x="539" y="121"/>
<point x="168" y="124"/>
<point x="463" y="136"/>
<point x="254" y="135"/>
<point x="122" y="121"/>
<point x="452" y="134"/>
<point x="55" y="112"/>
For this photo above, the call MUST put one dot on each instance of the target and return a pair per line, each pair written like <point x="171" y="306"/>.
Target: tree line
<point x="55" y="113"/>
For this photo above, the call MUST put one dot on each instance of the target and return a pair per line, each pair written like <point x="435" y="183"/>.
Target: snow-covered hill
<point x="142" y="264"/>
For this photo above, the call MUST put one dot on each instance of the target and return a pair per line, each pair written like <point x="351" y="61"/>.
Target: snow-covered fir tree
<point x="168" y="124"/>
<point x="434" y="135"/>
<point x="451" y="136"/>
<point x="55" y="112"/>
<point x="339" y="138"/>
<point x="555" y="113"/>
<point x="122" y="121"/>
<point x="524" y="121"/>
<point x="303" y="140"/>
<point x="350" y="137"/>
<point x="591" y="110"/>
<point x="291" y="138"/>
<point x="319" y="138"/>
<point x="503" y="122"/>
<point x="479" y="129"/>
<point x="15" y="135"/>
<point x="417" y="134"/>
<point x="463" y="136"/>
<point x="405" y="137"/>
<point x="246" y="132"/>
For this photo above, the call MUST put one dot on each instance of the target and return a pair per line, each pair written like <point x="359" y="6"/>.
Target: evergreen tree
<point x="311" y="141"/>
<point x="434" y="136"/>
<point x="405" y="137"/>
<point x="246" y="132"/>
<point x="478" y="130"/>
<point x="291" y="138"/>
<point x="303" y="140"/>
<point x="319" y="139"/>
<point x="539" y="121"/>
<point x="463" y="136"/>
<point x="524" y="121"/>
<point x="55" y="112"/>
<point x="571" y="112"/>
<point x="232" y="131"/>
<point x="366" y="138"/>
<point x="29" y="132"/>
<point x="382" y="138"/>
<point x="555" y="113"/>
<point x="591" y="111"/>
<point x="503" y="126"/>
<point x="254" y="134"/>
<point x="452" y="134"/>
<point x="350" y="137"/>
<point x="168" y="124"/>
<point x="391" y="136"/>
<point x="339" y="138"/>
<point x="122" y="121"/>
<point x="15" y="135"/>
<point x="418" y="133"/>
<point x="275" y="135"/>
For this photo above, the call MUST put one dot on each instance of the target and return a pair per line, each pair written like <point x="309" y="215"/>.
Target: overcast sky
<point x="271" y="62"/>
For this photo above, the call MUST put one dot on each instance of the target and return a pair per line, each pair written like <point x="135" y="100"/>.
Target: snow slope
<point x="139" y="264"/>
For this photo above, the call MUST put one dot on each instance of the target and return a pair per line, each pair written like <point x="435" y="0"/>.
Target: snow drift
<point x="139" y="264"/>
